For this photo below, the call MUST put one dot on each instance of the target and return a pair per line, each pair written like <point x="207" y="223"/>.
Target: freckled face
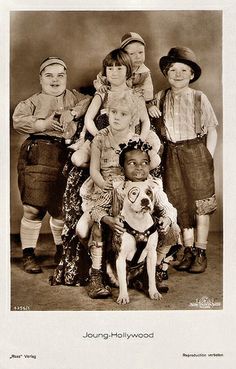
<point x="53" y="80"/>
<point x="136" y="165"/>
<point x="179" y="75"/>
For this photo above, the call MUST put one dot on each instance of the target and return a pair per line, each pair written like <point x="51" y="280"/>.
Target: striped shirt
<point x="178" y="112"/>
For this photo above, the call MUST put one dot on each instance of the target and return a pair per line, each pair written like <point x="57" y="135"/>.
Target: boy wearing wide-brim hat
<point x="187" y="124"/>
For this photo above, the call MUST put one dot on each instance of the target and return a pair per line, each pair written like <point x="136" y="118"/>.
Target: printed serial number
<point x="21" y="308"/>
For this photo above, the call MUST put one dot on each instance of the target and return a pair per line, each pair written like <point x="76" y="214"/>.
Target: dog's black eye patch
<point x="149" y="193"/>
<point x="133" y="194"/>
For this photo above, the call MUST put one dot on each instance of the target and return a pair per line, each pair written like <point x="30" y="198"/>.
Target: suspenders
<point x="159" y="122"/>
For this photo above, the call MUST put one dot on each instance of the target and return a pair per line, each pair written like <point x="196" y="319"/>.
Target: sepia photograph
<point x="70" y="222"/>
<point x="118" y="186"/>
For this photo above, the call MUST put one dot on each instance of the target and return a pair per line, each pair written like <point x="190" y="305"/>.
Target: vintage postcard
<point x="117" y="120"/>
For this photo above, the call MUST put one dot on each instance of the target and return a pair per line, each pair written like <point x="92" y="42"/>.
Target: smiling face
<point x="116" y="75"/>
<point x="136" y="165"/>
<point x="136" y="52"/>
<point x="179" y="75"/>
<point x="53" y="80"/>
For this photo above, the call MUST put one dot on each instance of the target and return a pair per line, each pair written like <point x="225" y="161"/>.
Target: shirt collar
<point x="142" y="69"/>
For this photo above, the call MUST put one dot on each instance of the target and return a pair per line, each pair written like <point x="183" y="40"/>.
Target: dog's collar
<point x="141" y="236"/>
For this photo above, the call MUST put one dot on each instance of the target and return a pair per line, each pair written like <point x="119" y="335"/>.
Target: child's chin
<point x="138" y="179"/>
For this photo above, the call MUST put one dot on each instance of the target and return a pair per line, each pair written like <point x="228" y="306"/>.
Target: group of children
<point x="122" y="129"/>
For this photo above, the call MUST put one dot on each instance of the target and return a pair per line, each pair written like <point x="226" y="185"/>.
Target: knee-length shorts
<point x="40" y="179"/>
<point x="188" y="179"/>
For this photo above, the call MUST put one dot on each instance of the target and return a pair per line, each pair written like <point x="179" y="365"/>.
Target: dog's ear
<point x="150" y="183"/>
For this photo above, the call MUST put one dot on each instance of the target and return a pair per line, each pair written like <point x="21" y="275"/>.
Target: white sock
<point x="188" y="242"/>
<point x="201" y="245"/>
<point x="56" y="228"/>
<point x="96" y="255"/>
<point x="161" y="253"/>
<point x="29" y="232"/>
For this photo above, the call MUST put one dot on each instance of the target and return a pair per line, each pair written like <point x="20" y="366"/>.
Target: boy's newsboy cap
<point x="131" y="37"/>
<point x="51" y="60"/>
<point x="181" y="55"/>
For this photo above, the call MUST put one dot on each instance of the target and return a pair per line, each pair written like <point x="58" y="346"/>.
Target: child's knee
<point x="33" y="213"/>
<point x="80" y="158"/>
<point x="83" y="226"/>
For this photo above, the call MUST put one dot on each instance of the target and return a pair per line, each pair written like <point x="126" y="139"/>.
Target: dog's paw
<point x="155" y="295"/>
<point x="123" y="299"/>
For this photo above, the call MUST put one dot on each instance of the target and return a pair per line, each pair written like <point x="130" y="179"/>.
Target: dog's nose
<point x="144" y="202"/>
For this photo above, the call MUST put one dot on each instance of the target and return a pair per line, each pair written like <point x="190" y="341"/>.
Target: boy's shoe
<point x="96" y="288"/>
<point x="58" y="254"/>
<point x="162" y="273"/>
<point x="188" y="259"/>
<point x="162" y="285"/>
<point x="31" y="265"/>
<point x="200" y="262"/>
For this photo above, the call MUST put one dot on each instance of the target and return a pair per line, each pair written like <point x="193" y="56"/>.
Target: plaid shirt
<point x="178" y="112"/>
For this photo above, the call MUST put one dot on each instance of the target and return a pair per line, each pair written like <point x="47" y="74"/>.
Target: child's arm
<point x="211" y="140"/>
<point x="153" y="107"/>
<point x="162" y="204"/>
<point x="95" y="169"/>
<point x="100" y="83"/>
<point x="25" y="122"/>
<point x="92" y="111"/>
<point x="209" y="123"/>
<point x="114" y="223"/>
<point x="144" y="119"/>
<point x="148" y="88"/>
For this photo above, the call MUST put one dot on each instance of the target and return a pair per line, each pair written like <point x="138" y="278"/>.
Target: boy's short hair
<point x="130" y="146"/>
<point x="50" y="61"/>
<point x="169" y="65"/>
<point x="129" y="38"/>
<point x="117" y="57"/>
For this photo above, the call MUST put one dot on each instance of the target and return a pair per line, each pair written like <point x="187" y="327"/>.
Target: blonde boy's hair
<point x="128" y="99"/>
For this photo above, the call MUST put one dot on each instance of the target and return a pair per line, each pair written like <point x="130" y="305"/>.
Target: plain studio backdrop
<point x="83" y="38"/>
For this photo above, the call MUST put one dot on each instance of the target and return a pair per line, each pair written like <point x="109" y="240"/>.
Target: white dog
<point x="138" y="244"/>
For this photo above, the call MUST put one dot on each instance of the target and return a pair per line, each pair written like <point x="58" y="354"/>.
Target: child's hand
<point x="77" y="145"/>
<point x="154" y="112"/>
<point x="108" y="185"/>
<point x="164" y="224"/>
<point x="51" y="124"/>
<point x="103" y="89"/>
<point x="114" y="223"/>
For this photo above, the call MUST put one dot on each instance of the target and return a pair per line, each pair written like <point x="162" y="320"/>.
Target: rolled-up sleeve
<point x="162" y="203"/>
<point x="208" y="115"/>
